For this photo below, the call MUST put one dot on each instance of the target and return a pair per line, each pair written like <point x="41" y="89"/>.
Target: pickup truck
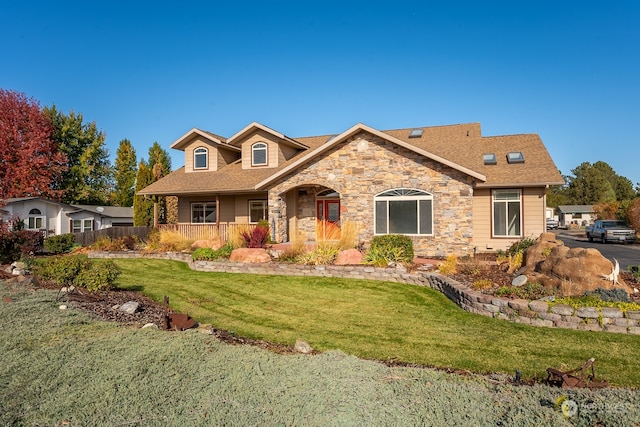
<point x="610" y="230"/>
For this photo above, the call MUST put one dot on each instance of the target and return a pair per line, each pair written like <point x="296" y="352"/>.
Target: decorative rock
<point x="19" y="264"/>
<point x="63" y="307"/>
<point x="303" y="347"/>
<point x="18" y="272"/>
<point x="519" y="280"/>
<point x="250" y="255"/>
<point x="129" y="307"/>
<point x="349" y="257"/>
<point x="150" y="326"/>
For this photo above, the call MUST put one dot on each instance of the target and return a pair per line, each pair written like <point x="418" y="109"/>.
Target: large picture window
<point x="258" y="210"/>
<point x="203" y="213"/>
<point x="200" y="158"/>
<point x="404" y="211"/>
<point x="259" y="154"/>
<point x="507" y="217"/>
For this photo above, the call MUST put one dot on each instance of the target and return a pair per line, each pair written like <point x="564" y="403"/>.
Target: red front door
<point x="328" y="215"/>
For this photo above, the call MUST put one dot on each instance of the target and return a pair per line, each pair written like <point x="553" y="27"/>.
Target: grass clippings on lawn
<point x="60" y="367"/>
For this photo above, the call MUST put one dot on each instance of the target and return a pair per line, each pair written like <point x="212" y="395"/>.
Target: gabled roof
<point x="364" y="128"/>
<point x="257" y="126"/>
<point x="460" y="147"/>
<point x="185" y="139"/>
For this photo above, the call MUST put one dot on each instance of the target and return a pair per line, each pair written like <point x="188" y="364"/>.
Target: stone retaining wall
<point x="535" y="313"/>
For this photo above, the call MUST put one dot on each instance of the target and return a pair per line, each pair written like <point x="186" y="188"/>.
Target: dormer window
<point x="200" y="156"/>
<point x="259" y="154"/>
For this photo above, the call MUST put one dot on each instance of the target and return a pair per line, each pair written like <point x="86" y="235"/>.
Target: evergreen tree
<point x="142" y="205"/>
<point x="89" y="175"/>
<point x="125" y="174"/>
<point x="160" y="165"/>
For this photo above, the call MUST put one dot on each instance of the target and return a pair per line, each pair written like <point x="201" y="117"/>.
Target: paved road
<point x="625" y="254"/>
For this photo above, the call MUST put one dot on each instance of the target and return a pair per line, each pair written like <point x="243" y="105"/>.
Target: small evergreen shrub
<point x="390" y="248"/>
<point x="60" y="244"/>
<point x="609" y="295"/>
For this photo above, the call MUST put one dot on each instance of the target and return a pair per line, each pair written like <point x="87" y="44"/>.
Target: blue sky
<point x="150" y="71"/>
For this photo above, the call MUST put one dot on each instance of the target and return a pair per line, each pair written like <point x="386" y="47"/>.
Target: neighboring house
<point x="53" y="218"/>
<point x="575" y="214"/>
<point x="447" y="187"/>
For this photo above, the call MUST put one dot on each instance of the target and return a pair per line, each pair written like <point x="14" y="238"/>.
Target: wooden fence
<point x="88" y="238"/>
<point x="206" y="231"/>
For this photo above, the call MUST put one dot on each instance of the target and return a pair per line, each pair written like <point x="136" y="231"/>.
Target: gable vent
<point x="490" y="159"/>
<point x="415" y="133"/>
<point x="515" y="157"/>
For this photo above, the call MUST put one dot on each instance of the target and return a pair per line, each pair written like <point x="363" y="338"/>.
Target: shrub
<point x="323" y="254"/>
<point x="99" y="276"/>
<point x="390" y="248"/>
<point x="450" y="265"/>
<point x="520" y="246"/>
<point x="167" y="241"/>
<point x="482" y="284"/>
<point x="78" y="270"/>
<point x="15" y="244"/>
<point x="60" y="244"/>
<point x="63" y="269"/>
<point x="609" y="295"/>
<point x="349" y="231"/>
<point x="257" y="238"/>
<point x="530" y="291"/>
<point x="208" y="254"/>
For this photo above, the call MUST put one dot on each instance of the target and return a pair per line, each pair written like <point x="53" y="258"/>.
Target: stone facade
<point x="364" y="166"/>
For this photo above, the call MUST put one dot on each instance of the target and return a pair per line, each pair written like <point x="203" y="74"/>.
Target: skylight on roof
<point x="490" y="159"/>
<point x="515" y="157"/>
<point x="415" y="133"/>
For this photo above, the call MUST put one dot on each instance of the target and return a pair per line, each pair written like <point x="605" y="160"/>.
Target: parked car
<point x="552" y="224"/>
<point x="610" y="230"/>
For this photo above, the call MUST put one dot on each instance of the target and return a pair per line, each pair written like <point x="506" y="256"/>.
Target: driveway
<point x="625" y="254"/>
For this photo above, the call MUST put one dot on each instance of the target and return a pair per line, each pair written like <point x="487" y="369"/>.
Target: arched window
<point x="200" y="157"/>
<point x="259" y="154"/>
<point x="403" y="211"/>
<point x="35" y="220"/>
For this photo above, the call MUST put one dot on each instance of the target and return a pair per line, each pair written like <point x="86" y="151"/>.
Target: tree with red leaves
<point x="29" y="159"/>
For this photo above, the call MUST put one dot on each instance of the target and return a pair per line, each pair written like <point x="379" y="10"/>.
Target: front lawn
<point x="378" y="320"/>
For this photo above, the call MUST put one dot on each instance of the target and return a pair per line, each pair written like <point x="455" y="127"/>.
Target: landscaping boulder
<point x="303" y="347"/>
<point x="349" y="257"/>
<point x="129" y="307"/>
<point x="574" y="271"/>
<point x="214" y="244"/>
<point x="254" y="255"/>
<point x="539" y="251"/>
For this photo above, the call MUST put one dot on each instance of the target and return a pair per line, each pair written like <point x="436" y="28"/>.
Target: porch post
<point x="218" y="213"/>
<point x="155" y="213"/>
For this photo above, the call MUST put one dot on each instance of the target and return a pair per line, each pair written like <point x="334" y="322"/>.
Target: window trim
<point x="265" y="207"/>
<point x="204" y="210"/>
<point x="506" y="202"/>
<point x="403" y="194"/>
<point x="83" y="225"/>
<point x="36" y="215"/>
<point x="255" y="148"/>
<point x="201" y="151"/>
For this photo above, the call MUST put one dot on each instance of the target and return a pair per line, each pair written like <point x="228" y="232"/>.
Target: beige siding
<point x="287" y="152"/>
<point x="533" y="219"/>
<point x="272" y="149"/>
<point x="212" y="160"/>
<point x="233" y="209"/>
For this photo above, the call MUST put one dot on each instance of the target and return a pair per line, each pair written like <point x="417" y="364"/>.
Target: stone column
<point x="278" y="217"/>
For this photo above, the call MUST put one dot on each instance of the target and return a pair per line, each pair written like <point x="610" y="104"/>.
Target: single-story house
<point x="449" y="188"/>
<point x="575" y="214"/>
<point x="53" y="217"/>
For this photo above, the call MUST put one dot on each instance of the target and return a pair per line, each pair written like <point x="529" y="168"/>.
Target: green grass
<point x="378" y="320"/>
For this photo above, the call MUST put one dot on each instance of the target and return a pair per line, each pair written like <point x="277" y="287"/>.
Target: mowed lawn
<point x="378" y="320"/>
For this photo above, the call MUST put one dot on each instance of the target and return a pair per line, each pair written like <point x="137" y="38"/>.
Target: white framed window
<point x="203" y="213"/>
<point x="403" y="211"/>
<point x="200" y="158"/>
<point x="258" y="210"/>
<point x="81" y="225"/>
<point x="36" y="220"/>
<point x="259" y="154"/>
<point x="507" y="213"/>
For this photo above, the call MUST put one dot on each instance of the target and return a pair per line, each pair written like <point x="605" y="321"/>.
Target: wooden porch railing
<point x="206" y="231"/>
